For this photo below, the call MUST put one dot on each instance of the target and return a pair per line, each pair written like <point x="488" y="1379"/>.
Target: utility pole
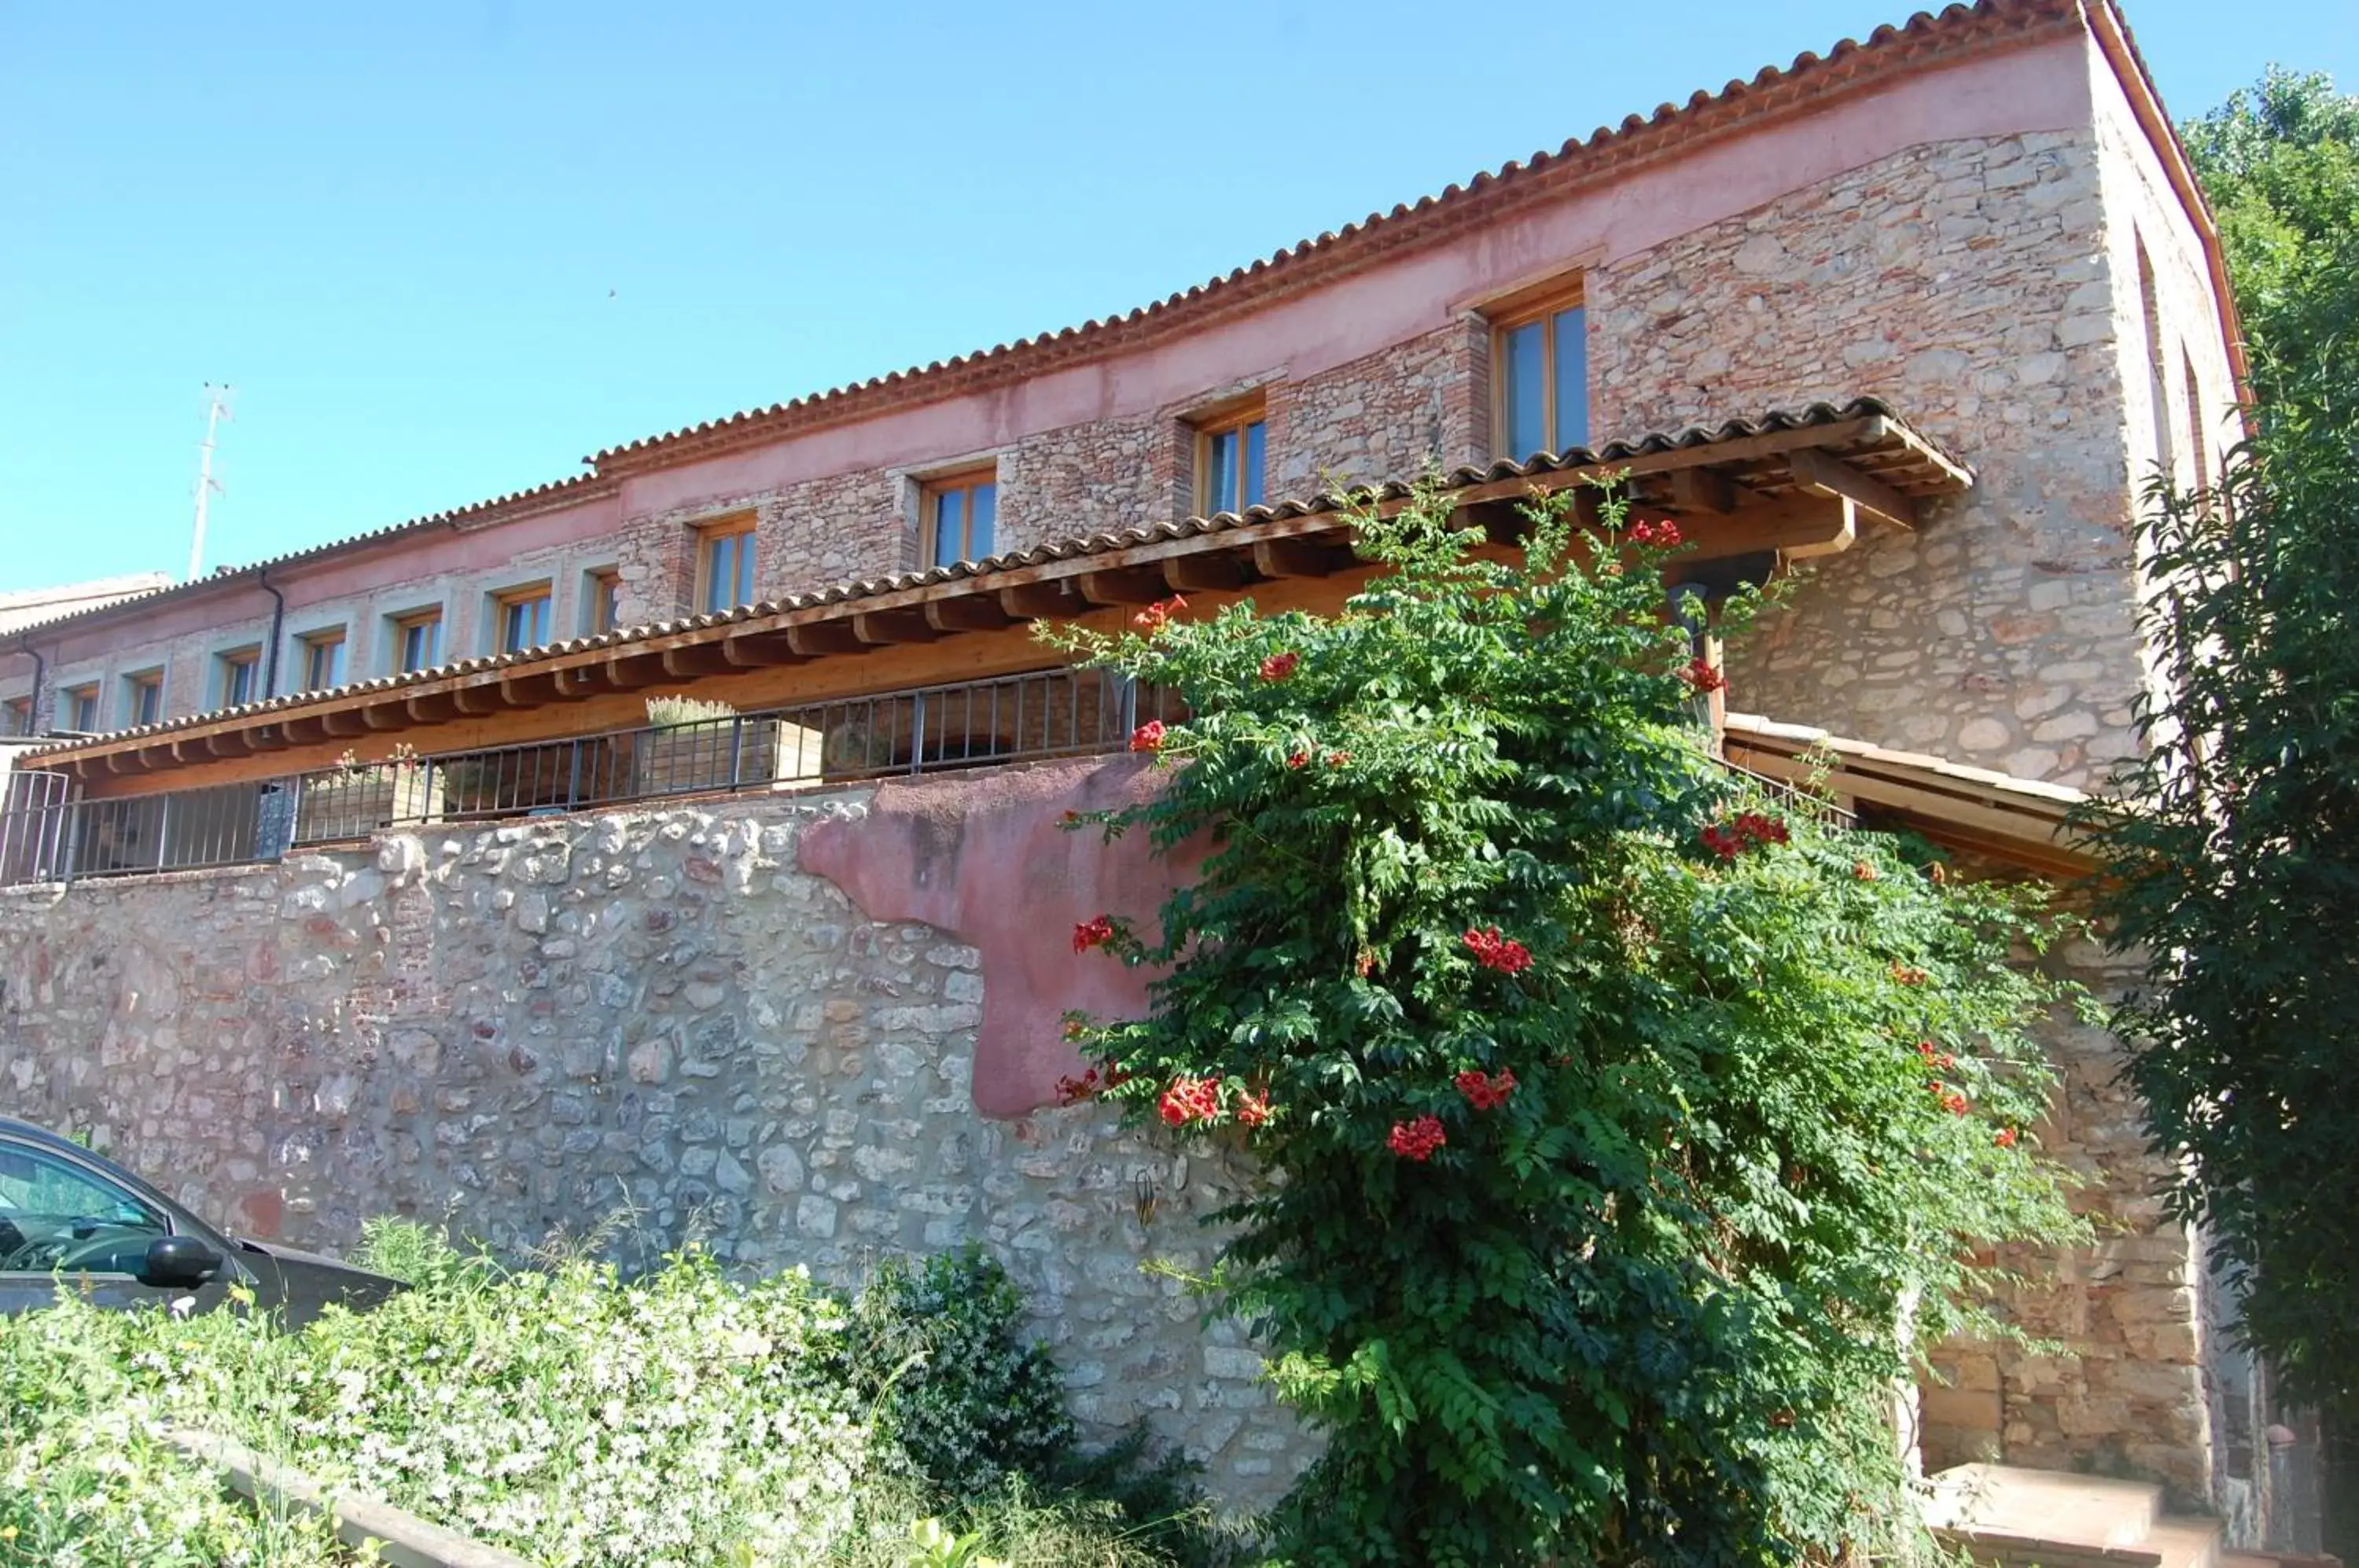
<point x="216" y="411"/>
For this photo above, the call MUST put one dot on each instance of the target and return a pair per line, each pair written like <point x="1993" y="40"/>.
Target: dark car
<point x="71" y="1219"/>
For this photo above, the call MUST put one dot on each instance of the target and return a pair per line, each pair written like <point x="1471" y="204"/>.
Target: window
<point x="81" y="709"/>
<point x="1539" y="373"/>
<point x="724" y="565"/>
<point x="522" y="617"/>
<point x="602" y="601"/>
<point x="54" y="1214"/>
<point x="417" y="641"/>
<point x="143" y="697"/>
<point x="959" y="513"/>
<point x="19" y="716"/>
<point x="239" y="669"/>
<point x="323" y="660"/>
<point x="1229" y="452"/>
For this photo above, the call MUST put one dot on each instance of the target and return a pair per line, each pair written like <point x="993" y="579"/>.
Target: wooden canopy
<point x="1787" y="485"/>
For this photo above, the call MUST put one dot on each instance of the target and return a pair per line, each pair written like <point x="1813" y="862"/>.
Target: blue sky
<point x="444" y="250"/>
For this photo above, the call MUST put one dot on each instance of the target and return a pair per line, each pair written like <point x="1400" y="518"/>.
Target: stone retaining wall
<point x="652" y="1016"/>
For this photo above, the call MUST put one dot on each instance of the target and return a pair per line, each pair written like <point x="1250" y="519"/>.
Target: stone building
<point x="379" y="891"/>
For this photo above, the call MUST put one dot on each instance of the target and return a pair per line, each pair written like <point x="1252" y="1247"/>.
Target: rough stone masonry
<point x="538" y="1028"/>
<point x="663" y="1016"/>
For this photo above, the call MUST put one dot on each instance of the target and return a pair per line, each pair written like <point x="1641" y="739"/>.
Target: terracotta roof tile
<point x="1809" y="77"/>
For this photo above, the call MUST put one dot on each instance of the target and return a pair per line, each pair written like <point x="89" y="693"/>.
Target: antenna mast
<point x="216" y="411"/>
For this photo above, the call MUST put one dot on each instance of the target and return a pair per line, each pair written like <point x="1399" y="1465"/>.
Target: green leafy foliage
<point x="2235" y="862"/>
<point x="577" y="1417"/>
<point x="1626" y="1126"/>
<point x="2280" y="165"/>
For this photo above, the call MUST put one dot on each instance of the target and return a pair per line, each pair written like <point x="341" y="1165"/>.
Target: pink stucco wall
<point x="987" y="858"/>
<point x="1300" y="338"/>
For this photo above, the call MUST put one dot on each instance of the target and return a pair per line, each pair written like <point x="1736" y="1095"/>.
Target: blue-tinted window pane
<point x="742" y="582"/>
<point x="1253" y="463"/>
<point x="1220" y="473"/>
<point x="1523" y="378"/>
<point x="1572" y="379"/>
<point x="720" y="570"/>
<point x="950" y="527"/>
<point x="983" y="509"/>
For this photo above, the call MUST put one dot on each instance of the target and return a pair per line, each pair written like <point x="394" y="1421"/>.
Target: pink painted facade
<point x="1370" y="367"/>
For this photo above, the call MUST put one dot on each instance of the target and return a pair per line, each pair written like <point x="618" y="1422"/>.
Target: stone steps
<point x="2013" y="1518"/>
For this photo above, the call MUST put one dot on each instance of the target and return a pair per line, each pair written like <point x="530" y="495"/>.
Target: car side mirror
<point x="180" y="1261"/>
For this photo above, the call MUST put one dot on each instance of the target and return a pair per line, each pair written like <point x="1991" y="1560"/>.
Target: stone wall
<point x="1969" y="284"/>
<point x="655" y="1016"/>
<point x="2126" y="1391"/>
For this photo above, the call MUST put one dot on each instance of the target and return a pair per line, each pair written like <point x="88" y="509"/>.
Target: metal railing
<point x="47" y="837"/>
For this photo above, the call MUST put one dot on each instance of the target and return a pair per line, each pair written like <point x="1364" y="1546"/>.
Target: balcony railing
<point x="48" y="835"/>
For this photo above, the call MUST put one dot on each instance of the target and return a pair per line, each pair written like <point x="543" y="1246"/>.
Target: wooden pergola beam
<point x="1820" y="474"/>
<point x="1204" y="573"/>
<point x="478" y="700"/>
<point x="1701" y="490"/>
<point x="1296" y="558"/>
<point x="1054" y="599"/>
<point x="345" y="723"/>
<point x="1130" y="585"/>
<point x="883" y="628"/>
<point x="436" y="708"/>
<point x="696" y="660"/>
<point x="385" y="717"/>
<point x="759" y="651"/>
<point x="633" y="671"/>
<point x="814" y="638"/>
<point x="968" y="612"/>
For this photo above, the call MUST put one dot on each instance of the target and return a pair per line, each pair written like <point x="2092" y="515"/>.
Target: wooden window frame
<point x="402" y="626"/>
<point x="248" y="659"/>
<point x="18" y="711"/>
<point x="135" y="686"/>
<point x="934" y="486"/>
<point x="1543" y="303"/>
<point x="1235" y="418"/>
<point x="708" y="535"/>
<point x="508" y="599"/>
<point x="72" y="698"/>
<point x="312" y="644"/>
<point x="602" y="585"/>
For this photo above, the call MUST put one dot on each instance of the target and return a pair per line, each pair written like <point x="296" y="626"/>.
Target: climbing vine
<point x="1622" y="1122"/>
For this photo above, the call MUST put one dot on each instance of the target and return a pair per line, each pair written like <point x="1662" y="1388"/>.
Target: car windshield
<point x="54" y="1214"/>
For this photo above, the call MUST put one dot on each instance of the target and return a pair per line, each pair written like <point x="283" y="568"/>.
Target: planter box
<point x="724" y="754"/>
<point x="364" y="801"/>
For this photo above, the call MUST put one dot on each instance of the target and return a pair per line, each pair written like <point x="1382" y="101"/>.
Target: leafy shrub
<point x="86" y="1478"/>
<point x="579" y="1418"/>
<point x="1622" y="1120"/>
<point x="969" y="1401"/>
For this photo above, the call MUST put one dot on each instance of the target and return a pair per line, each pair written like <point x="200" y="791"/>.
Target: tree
<point x="1620" y="1122"/>
<point x="2280" y="165"/>
<point x="2237" y="859"/>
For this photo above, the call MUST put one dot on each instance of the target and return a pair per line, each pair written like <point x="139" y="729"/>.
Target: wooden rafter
<point x="1820" y="474"/>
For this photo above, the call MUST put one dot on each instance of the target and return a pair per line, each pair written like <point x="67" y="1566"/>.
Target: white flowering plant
<point x="575" y="1418"/>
